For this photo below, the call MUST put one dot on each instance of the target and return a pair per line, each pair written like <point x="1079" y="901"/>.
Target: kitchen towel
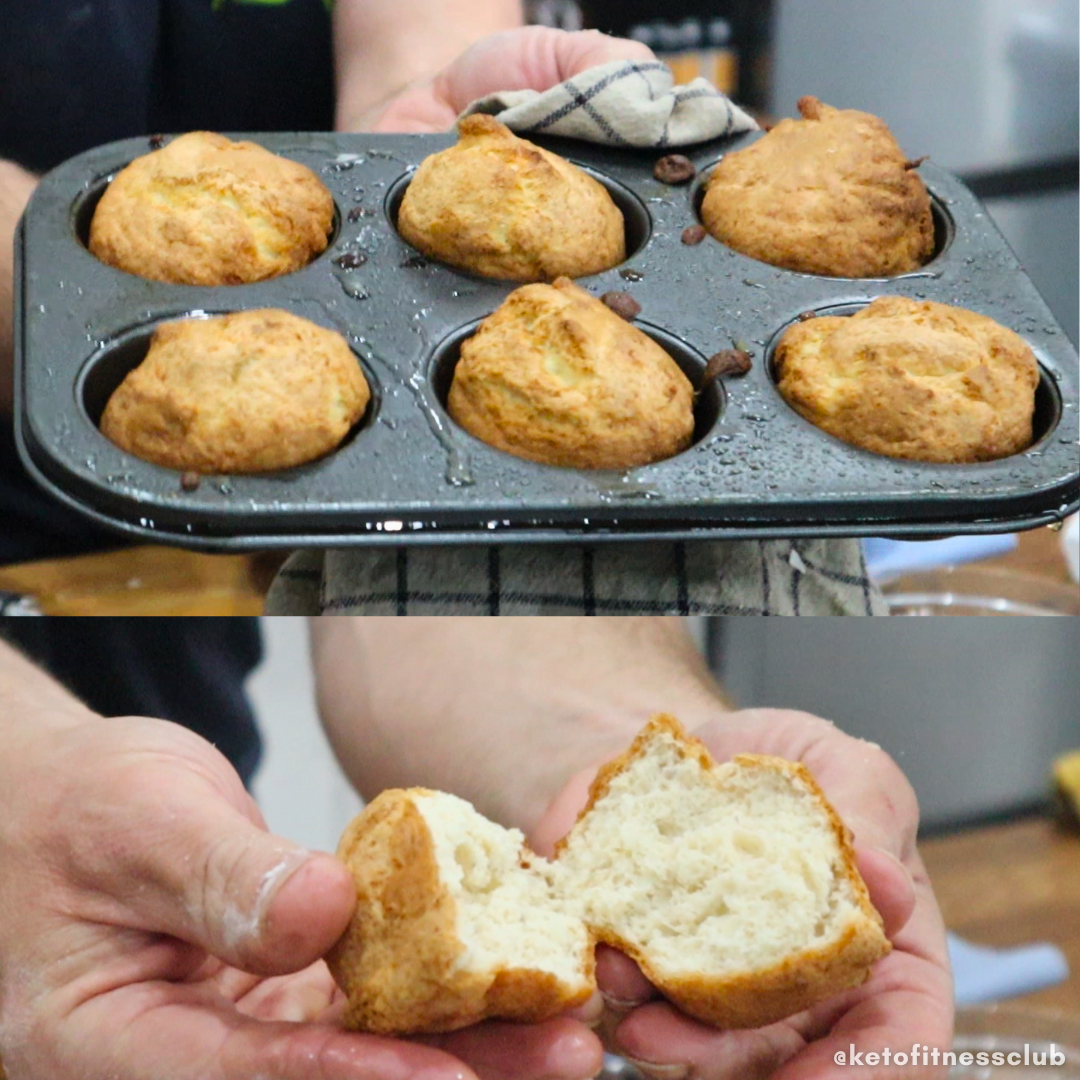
<point x="622" y="103"/>
<point x="628" y="104"/>
<point x="780" y="577"/>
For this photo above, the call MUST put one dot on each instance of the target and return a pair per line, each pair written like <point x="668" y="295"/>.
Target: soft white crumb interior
<point x="507" y="916"/>
<point x="715" y="873"/>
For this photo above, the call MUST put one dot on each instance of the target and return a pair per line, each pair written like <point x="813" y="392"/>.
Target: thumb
<point x="196" y="862"/>
<point x="263" y="904"/>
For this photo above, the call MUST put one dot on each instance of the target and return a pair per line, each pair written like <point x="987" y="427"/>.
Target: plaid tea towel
<point x="628" y="104"/>
<point x="623" y="103"/>
<point x="781" y="577"/>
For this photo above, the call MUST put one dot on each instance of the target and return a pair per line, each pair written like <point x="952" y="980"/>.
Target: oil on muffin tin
<point x="409" y="475"/>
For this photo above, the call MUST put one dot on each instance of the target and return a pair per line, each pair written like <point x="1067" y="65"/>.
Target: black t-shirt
<point x="190" y="671"/>
<point x="75" y="74"/>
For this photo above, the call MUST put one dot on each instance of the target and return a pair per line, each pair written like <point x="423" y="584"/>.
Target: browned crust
<point x="204" y="210"/>
<point x="763" y="997"/>
<point x="913" y="379"/>
<point x="831" y="193"/>
<point x="395" y="961"/>
<point x="554" y="375"/>
<point x="498" y="206"/>
<point x="253" y="391"/>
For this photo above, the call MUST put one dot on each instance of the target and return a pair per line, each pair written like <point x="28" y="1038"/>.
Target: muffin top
<point x="829" y="194"/>
<point x="553" y="375"/>
<point x="501" y="207"/>
<point x="203" y="210"/>
<point x="913" y="379"/>
<point x="248" y="392"/>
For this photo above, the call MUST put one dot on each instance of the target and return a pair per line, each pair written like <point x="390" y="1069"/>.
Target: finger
<point x="909" y="1004"/>
<point x="303" y="997"/>
<point x="667" y="1045"/>
<point x="588" y="1014"/>
<point x="561" y="814"/>
<point x="259" y="903"/>
<point x="577" y="52"/>
<point x="191" y="1033"/>
<point x="891" y="887"/>
<point x="529" y="58"/>
<point x="184" y="853"/>
<point x="621" y="982"/>
<point x="558" y="1049"/>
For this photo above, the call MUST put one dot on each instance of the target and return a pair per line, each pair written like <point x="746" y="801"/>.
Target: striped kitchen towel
<point x="622" y="103"/>
<point x="780" y="577"/>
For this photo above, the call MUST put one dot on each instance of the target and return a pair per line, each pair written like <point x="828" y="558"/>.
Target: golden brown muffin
<point x="913" y="379"/>
<point x="242" y="393"/>
<point x="829" y="194"/>
<point x="553" y="375"/>
<point x="501" y="207"/>
<point x="206" y="211"/>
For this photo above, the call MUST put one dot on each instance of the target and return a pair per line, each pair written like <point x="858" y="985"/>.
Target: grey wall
<point x="301" y="790"/>
<point x="976" y="84"/>
<point x="973" y="709"/>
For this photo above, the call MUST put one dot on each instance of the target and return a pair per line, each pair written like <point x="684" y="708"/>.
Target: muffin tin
<point x="407" y="474"/>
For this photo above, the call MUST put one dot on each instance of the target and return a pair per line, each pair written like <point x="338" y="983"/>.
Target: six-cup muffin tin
<point x="408" y="474"/>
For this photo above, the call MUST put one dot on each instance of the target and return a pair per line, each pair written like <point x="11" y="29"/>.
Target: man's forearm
<point x="16" y="187"/>
<point x="381" y="46"/>
<point x="500" y="711"/>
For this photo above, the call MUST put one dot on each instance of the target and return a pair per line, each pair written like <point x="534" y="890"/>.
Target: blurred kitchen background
<point x="986" y="88"/>
<point x="974" y="710"/>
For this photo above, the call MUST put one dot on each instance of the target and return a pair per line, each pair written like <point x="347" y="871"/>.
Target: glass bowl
<point x="1010" y="1029"/>
<point x="979" y="590"/>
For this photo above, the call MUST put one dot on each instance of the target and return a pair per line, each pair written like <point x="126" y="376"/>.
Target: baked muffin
<point x="206" y="211"/>
<point x="830" y="194"/>
<point x="734" y="887"/>
<point x="242" y="393"/>
<point x="553" y="375"/>
<point x="503" y="208"/>
<point x="912" y="379"/>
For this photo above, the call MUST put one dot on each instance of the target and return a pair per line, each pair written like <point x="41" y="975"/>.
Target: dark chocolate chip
<point x="190" y="480"/>
<point x="351" y="260"/>
<point x="414" y="262"/>
<point x="157" y="142"/>
<point x="623" y="304"/>
<point x="726" y="363"/>
<point x="674" y="169"/>
<point x="630" y="275"/>
<point x="693" y="234"/>
<point x="805" y="316"/>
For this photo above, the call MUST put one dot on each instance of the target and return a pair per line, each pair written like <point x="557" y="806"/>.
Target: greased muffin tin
<point x="407" y="474"/>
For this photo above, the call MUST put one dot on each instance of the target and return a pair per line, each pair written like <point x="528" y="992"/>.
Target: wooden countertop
<point x="1014" y="884"/>
<point x="140" y="581"/>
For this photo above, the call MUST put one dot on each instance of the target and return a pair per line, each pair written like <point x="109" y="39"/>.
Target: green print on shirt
<point x="216" y="5"/>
